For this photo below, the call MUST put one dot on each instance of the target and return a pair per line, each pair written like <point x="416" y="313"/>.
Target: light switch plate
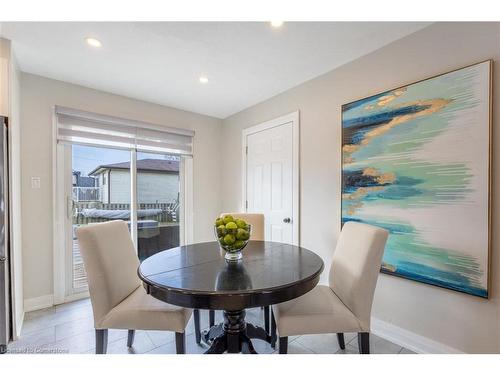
<point x="35" y="182"/>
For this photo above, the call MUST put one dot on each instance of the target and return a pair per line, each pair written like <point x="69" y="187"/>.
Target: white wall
<point x="151" y="187"/>
<point x="457" y="320"/>
<point x="157" y="187"/>
<point x="4" y="76"/>
<point x="38" y="97"/>
<point x="119" y="186"/>
<point x="10" y="106"/>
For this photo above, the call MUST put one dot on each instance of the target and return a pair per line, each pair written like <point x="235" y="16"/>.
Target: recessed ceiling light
<point x="276" y="24"/>
<point x="93" y="42"/>
<point x="203" y="79"/>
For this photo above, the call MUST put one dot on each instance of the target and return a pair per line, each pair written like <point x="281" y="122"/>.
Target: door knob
<point x="287" y="220"/>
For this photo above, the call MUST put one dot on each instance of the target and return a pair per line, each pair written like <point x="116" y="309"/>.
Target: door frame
<point x="294" y="118"/>
<point x="60" y="157"/>
<point x="61" y="238"/>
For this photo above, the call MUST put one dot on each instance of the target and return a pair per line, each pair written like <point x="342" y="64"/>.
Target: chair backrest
<point x="111" y="263"/>
<point x="355" y="267"/>
<point x="255" y="220"/>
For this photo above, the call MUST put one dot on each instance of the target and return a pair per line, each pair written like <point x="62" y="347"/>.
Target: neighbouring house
<point x="83" y="181"/>
<point x="157" y="181"/>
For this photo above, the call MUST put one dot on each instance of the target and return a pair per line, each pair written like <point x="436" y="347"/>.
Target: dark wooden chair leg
<point x="130" y="339"/>
<point x="340" y="338"/>
<point x="283" y="345"/>
<point x="211" y="316"/>
<point x="101" y="341"/>
<point x="273" y="334"/>
<point x="197" y="330"/>
<point x="364" y="342"/>
<point x="266" y="318"/>
<point x="180" y="342"/>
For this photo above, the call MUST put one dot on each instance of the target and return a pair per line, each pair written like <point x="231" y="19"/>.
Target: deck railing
<point x="169" y="211"/>
<point x="86" y="194"/>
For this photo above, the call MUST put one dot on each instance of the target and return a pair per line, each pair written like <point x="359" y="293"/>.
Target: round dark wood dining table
<point x="197" y="276"/>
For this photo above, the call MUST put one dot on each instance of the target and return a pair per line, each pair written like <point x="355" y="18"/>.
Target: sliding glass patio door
<point x="158" y="203"/>
<point x="101" y="190"/>
<point x="115" y="169"/>
<point x="99" y="193"/>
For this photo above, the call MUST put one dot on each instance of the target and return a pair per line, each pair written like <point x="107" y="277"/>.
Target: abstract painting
<point x="416" y="161"/>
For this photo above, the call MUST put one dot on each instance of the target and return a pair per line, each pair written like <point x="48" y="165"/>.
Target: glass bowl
<point x="233" y="241"/>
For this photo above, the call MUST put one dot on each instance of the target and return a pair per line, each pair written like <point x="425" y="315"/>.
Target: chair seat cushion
<point x="141" y="311"/>
<point x="318" y="311"/>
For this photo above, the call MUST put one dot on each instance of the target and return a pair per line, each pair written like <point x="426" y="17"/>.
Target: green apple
<point x="242" y="234"/>
<point x="239" y="244"/>
<point x="229" y="239"/>
<point x="227" y="219"/>
<point x="241" y="223"/>
<point x="231" y="225"/>
<point x="221" y="230"/>
<point x="219" y="222"/>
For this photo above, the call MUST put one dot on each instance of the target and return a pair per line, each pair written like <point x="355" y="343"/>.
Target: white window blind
<point x="81" y="127"/>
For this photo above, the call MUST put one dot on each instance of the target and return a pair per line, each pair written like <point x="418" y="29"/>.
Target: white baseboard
<point x="38" y="303"/>
<point x="42" y="302"/>
<point x="74" y="297"/>
<point x="410" y="340"/>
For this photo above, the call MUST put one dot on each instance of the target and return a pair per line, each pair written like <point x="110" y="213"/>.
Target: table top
<point x="198" y="276"/>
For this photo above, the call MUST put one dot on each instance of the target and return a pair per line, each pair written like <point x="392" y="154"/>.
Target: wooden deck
<point x="167" y="238"/>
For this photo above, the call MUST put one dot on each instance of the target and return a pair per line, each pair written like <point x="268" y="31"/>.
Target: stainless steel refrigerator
<point x="5" y="295"/>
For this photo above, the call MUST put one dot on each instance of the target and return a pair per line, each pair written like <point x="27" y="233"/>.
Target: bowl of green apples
<point x="232" y="235"/>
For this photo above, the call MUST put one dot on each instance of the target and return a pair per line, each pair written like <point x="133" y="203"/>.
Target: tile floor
<point x="69" y="328"/>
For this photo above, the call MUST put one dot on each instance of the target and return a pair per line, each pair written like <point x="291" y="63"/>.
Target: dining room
<point x="316" y="187"/>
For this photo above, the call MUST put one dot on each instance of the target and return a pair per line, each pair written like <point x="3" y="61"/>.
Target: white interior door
<point x="270" y="185"/>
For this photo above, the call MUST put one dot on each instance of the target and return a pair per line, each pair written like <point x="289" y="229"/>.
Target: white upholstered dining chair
<point x="119" y="301"/>
<point x="256" y="220"/>
<point x="345" y="304"/>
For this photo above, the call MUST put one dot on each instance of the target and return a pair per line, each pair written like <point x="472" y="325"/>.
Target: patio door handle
<point x="69" y="207"/>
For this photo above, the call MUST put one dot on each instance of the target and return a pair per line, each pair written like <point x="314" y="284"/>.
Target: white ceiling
<point x="160" y="62"/>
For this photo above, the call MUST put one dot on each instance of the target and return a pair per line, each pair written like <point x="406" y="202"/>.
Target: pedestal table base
<point x="234" y="335"/>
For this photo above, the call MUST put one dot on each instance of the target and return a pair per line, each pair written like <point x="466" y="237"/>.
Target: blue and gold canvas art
<point x="416" y="161"/>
